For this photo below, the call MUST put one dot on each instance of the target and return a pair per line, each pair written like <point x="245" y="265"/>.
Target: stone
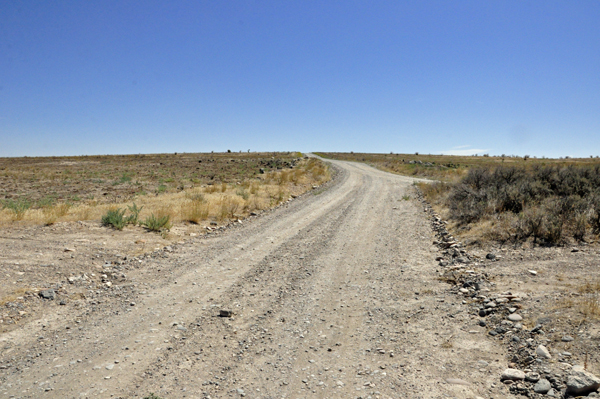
<point x="542" y="386"/>
<point x="536" y="328"/>
<point x="512" y="375"/>
<point x="515" y="317"/>
<point x="567" y="338"/>
<point x="48" y="294"/>
<point x="543" y="352"/>
<point x="552" y="393"/>
<point x="456" y="381"/>
<point x="490" y="256"/>
<point x="225" y="313"/>
<point x="582" y="382"/>
<point x="532" y="377"/>
<point x="533" y="272"/>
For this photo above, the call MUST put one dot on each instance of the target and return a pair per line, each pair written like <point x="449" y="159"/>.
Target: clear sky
<point x="113" y="77"/>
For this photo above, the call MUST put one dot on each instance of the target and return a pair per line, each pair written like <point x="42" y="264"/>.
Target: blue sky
<point x="114" y="77"/>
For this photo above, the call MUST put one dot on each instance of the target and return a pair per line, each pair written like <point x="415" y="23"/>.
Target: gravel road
<point x="335" y="295"/>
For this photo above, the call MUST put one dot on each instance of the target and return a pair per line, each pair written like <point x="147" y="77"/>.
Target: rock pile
<point x="532" y="369"/>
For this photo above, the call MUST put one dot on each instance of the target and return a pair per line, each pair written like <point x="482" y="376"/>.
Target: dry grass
<point x="585" y="300"/>
<point x="589" y="301"/>
<point x="217" y="202"/>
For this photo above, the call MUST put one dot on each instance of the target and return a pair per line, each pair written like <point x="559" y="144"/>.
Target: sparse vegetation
<point x="195" y="187"/>
<point x="157" y="223"/>
<point x="18" y="207"/>
<point x="548" y="203"/>
<point x="115" y="218"/>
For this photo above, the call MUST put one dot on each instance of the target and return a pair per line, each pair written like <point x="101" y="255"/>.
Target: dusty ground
<point x="336" y="294"/>
<point x="42" y="181"/>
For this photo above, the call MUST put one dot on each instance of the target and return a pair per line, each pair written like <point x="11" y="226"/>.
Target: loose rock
<point x="542" y="386"/>
<point x="543" y="352"/>
<point x="582" y="382"/>
<point x="512" y="375"/>
<point x="48" y="294"/>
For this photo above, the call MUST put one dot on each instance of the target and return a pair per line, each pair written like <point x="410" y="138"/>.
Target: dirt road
<point x="334" y="295"/>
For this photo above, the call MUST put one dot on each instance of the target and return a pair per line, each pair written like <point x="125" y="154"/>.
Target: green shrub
<point x="135" y="213"/>
<point x="114" y="218"/>
<point x="159" y="224"/>
<point x="152" y="396"/>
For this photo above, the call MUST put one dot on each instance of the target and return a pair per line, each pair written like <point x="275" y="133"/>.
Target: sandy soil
<point x="337" y="294"/>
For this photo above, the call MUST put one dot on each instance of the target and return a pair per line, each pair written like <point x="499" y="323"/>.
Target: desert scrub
<point x="159" y="223"/>
<point x="550" y="203"/>
<point x="116" y="219"/>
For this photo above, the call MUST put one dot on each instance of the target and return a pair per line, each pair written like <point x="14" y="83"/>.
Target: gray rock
<point x="48" y="294"/>
<point x="567" y="338"/>
<point x="543" y="352"/>
<point x="456" y="381"/>
<point x="515" y="317"/>
<point x="490" y="256"/>
<point x="552" y="393"/>
<point x="582" y="382"/>
<point x="514" y="338"/>
<point x="225" y="313"/>
<point x="532" y="377"/>
<point x="512" y="375"/>
<point x="542" y="386"/>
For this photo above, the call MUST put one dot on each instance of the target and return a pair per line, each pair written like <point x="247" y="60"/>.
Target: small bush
<point x="154" y="223"/>
<point x="152" y="396"/>
<point x="114" y="218"/>
<point x="135" y="214"/>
